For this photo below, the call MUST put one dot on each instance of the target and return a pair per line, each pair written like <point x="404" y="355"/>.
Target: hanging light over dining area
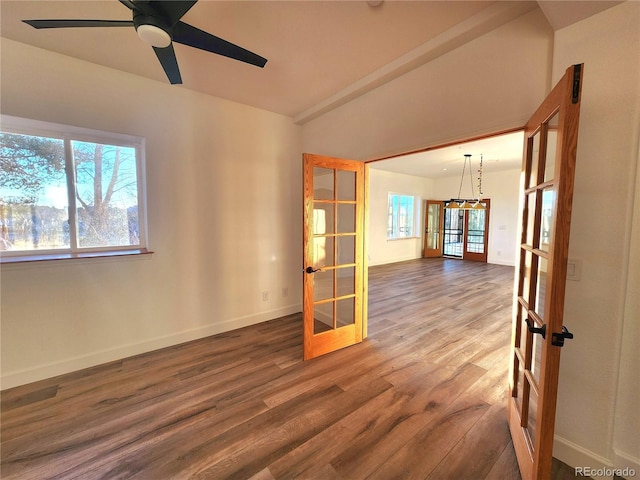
<point x="473" y="203"/>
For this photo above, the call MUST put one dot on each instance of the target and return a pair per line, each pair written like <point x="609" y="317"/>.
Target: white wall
<point x="502" y="189"/>
<point x="626" y="438"/>
<point x="381" y="184"/>
<point x="224" y="210"/>
<point x="598" y="417"/>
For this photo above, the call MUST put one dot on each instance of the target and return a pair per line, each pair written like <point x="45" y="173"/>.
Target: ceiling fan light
<point x="155" y="36"/>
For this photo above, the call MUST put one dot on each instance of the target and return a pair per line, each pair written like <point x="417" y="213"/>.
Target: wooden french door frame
<point x="335" y="268"/>
<point x="538" y="332"/>
<point x="433" y="228"/>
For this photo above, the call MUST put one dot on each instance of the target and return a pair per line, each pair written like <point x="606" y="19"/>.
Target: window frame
<point x="68" y="133"/>
<point x="415" y="217"/>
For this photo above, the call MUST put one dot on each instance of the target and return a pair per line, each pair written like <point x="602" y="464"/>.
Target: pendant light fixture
<point x="474" y="202"/>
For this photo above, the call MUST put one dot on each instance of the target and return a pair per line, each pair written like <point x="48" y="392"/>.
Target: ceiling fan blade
<point x="194" y="37"/>
<point x="138" y="6"/>
<point x="172" y="10"/>
<point x="167" y="57"/>
<point x="78" y="23"/>
<point x="129" y="4"/>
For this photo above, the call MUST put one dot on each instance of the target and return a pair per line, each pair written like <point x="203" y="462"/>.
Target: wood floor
<point x="423" y="397"/>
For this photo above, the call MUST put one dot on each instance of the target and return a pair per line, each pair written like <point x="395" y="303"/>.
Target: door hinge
<point x="577" y="76"/>
<point x="557" y="339"/>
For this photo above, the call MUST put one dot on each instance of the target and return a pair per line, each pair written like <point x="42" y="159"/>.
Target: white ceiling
<point x="314" y="48"/>
<point x="320" y="53"/>
<point x="501" y="152"/>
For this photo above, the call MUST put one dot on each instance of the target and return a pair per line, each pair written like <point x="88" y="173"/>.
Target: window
<point x="66" y="191"/>
<point x="402" y="216"/>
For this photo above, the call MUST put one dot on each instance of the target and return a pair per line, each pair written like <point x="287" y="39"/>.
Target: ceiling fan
<point x="157" y="22"/>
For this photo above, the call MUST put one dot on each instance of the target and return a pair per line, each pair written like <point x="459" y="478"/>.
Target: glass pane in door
<point x="536" y="358"/>
<point x="530" y="211"/>
<point x="519" y="389"/>
<point x="532" y="415"/>
<point x="552" y="142"/>
<point x="548" y="207"/>
<point x="346" y="217"/>
<point x="345" y="280"/>
<point x="322" y="317"/>
<point x="346" y="185"/>
<point x="535" y="159"/>
<point x="541" y="287"/>
<point x="433" y="226"/>
<point x="475" y="231"/>
<point x="322" y="285"/>
<point x="345" y="312"/>
<point x="322" y="218"/>
<point x="453" y="232"/>
<point x="525" y="279"/>
<point x="322" y="252"/>
<point x="346" y="249"/>
<point x="323" y="183"/>
<point x="522" y="339"/>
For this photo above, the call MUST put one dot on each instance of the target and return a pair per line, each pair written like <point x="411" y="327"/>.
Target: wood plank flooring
<point x="422" y="398"/>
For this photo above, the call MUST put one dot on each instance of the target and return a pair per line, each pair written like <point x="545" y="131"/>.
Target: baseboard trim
<point x="41" y="372"/>
<point x="393" y="260"/>
<point x="576" y="456"/>
<point x="624" y="460"/>
<point x="493" y="261"/>
<point x="500" y="261"/>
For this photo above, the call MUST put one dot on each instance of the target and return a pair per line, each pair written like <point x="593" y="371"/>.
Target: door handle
<point x="557" y="339"/>
<point x="311" y="270"/>
<point x="542" y="330"/>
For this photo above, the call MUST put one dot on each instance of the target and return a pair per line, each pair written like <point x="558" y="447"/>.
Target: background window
<point x="106" y="194"/>
<point x="61" y="193"/>
<point x="402" y="215"/>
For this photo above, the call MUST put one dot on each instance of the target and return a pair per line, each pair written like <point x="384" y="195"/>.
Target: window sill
<point x="16" y="259"/>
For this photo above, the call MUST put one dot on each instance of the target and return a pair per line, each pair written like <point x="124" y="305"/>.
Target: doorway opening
<point x="434" y="175"/>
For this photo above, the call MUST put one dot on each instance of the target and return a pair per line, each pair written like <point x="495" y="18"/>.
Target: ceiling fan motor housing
<point x="152" y="30"/>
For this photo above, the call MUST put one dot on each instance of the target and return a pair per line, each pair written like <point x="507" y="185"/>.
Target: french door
<point x="433" y="235"/>
<point x="476" y="236"/>
<point x="466" y="233"/>
<point x="538" y="333"/>
<point x="334" y="290"/>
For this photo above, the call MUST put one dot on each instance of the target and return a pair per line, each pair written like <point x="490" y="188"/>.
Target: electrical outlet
<point x="285" y="291"/>
<point x="265" y="296"/>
